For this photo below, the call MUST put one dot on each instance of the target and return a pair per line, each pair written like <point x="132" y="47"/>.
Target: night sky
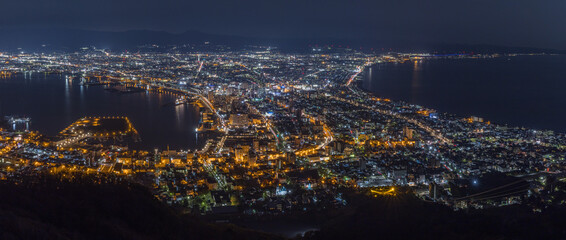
<point x="525" y="23"/>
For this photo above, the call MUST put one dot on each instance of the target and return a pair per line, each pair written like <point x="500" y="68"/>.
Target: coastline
<point x="398" y="81"/>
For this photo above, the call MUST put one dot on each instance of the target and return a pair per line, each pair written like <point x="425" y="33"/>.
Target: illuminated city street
<point x="305" y="120"/>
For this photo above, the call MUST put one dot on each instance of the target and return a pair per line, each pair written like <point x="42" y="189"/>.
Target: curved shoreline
<point x="489" y="107"/>
<point x="64" y="102"/>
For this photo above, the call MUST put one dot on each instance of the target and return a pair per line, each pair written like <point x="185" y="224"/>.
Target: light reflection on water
<point x="519" y="91"/>
<point x="53" y="103"/>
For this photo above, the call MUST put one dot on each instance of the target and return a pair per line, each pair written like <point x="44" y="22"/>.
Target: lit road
<point x="221" y="179"/>
<point x="206" y="147"/>
<point x="434" y="133"/>
<point x="428" y="129"/>
<point x="359" y="70"/>
<point x="268" y="123"/>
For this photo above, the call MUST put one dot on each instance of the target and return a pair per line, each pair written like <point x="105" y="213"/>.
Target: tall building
<point x="290" y="157"/>
<point x="433" y="191"/>
<point x="156" y="156"/>
<point x="252" y="158"/>
<point x="239" y="154"/>
<point x="242" y="153"/>
<point x="408" y="132"/>
<point x="239" y="120"/>
<point x="211" y="96"/>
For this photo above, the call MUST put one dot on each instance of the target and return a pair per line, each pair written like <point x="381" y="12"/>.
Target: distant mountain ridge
<point x="45" y="40"/>
<point x="71" y="39"/>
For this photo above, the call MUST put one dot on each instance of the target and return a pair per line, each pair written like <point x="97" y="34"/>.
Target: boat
<point x="181" y="100"/>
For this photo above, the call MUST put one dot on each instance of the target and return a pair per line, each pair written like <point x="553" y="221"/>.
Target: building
<point x="239" y="120"/>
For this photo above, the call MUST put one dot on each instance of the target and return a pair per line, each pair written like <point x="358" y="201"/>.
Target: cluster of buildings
<point x="285" y="132"/>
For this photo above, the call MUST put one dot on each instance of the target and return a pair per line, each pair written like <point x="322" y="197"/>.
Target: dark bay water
<point x="524" y="91"/>
<point x="53" y="103"/>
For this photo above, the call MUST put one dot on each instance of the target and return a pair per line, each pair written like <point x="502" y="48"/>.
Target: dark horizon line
<point x="296" y="41"/>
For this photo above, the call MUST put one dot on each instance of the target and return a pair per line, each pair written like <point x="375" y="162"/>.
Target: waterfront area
<point x="52" y="102"/>
<point x="518" y="91"/>
<point x="281" y="134"/>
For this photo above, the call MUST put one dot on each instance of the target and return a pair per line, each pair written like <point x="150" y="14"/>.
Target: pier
<point x="15" y="121"/>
